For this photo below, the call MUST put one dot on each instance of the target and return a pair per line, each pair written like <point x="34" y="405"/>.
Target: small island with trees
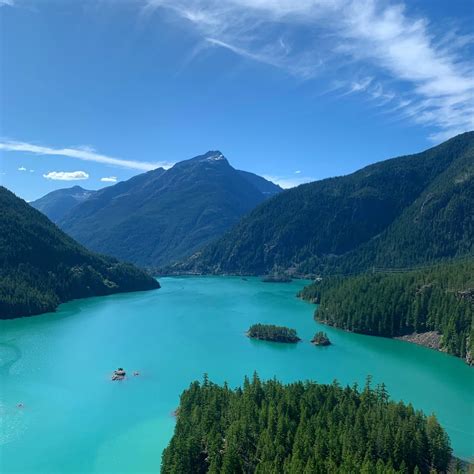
<point x="270" y="332"/>
<point x="321" y="339"/>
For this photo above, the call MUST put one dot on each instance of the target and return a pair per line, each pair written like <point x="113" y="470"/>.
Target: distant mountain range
<point x="58" y="203"/>
<point x="161" y="216"/>
<point x="405" y="211"/>
<point x="41" y="267"/>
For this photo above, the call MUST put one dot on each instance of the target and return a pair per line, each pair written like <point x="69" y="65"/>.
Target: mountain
<point x="160" y="216"/>
<point x="267" y="188"/>
<point x="41" y="267"/>
<point x="58" y="203"/>
<point x="404" y="211"/>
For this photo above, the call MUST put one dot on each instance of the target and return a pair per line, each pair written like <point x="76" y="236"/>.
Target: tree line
<point x="301" y="427"/>
<point x="439" y="298"/>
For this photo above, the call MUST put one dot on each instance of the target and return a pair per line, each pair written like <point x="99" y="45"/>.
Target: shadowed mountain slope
<point x="41" y="267"/>
<point x="59" y="202"/>
<point x="161" y="216"/>
<point x="405" y="211"/>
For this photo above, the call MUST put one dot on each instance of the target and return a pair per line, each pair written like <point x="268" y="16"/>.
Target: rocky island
<point x="321" y="339"/>
<point x="270" y="332"/>
<point x="119" y="374"/>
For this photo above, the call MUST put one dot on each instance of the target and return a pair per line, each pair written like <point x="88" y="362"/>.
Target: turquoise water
<point x="76" y="420"/>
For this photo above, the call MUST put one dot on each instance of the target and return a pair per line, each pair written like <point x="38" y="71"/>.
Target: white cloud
<point x="66" y="175"/>
<point x="21" y="168"/>
<point x="5" y="3"/>
<point x="288" y="182"/>
<point x="414" y="63"/>
<point x="297" y="172"/>
<point x="109" y="179"/>
<point x="81" y="153"/>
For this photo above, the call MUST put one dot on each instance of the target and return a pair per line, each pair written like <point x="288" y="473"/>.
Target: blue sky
<point x="295" y="90"/>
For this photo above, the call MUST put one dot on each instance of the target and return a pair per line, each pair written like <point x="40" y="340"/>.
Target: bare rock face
<point x="469" y="355"/>
<point x="119" y="374"/>
<point x="431" y="339"/>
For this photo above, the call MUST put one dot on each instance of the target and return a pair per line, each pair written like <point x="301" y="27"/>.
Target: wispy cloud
<point x="109" y="179"/>
<point x="413" y="69"/>
<point x="81" y="153"/>
<point x="66" y="175"/>
<point x="6" y="3"/>
<point x="287" y="182"/>
<point x="21" y="168"/>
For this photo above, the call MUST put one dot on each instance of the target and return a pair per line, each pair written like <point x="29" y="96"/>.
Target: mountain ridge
<point x="161" y="216"/>
<point x="335" y="224"/>
<point x="60" y="201"/>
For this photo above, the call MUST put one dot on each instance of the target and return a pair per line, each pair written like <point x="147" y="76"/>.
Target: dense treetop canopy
<point x="268" y="427"/>
<point x="270" y="332"/>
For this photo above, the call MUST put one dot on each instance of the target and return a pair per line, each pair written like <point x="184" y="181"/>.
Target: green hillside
<point x="41" y="267"/>
<point x="400" y="212"/>
<point x="439" y="299"/>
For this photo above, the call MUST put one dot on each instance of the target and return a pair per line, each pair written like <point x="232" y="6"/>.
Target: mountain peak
<point x="215" y="155"/>
<point x="212" y="156"/>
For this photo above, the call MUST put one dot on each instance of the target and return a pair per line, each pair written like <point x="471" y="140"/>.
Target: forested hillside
<point x="405" y="211"/>
<point x="41" y="267"/>
<point x="306" y="428"/>
<point x="158" y="217"/>
<point x="438" y="299"/>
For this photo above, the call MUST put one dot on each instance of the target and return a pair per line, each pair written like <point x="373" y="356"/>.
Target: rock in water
<point x="321" y="339"/>
<point x="119" y="374"/>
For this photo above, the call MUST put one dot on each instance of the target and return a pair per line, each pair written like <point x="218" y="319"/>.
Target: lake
<point x="76" y="420"/>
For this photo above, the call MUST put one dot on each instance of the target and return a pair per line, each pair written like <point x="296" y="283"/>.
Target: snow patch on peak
<point x="216" y="157"/>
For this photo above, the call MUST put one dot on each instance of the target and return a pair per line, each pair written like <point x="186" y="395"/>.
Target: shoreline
<point x="429" y="339"/>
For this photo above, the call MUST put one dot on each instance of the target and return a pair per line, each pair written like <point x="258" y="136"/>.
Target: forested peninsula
<point x="437" y="300"/>
<point x="41" y="267"/>
<point x="302" y="427"/>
